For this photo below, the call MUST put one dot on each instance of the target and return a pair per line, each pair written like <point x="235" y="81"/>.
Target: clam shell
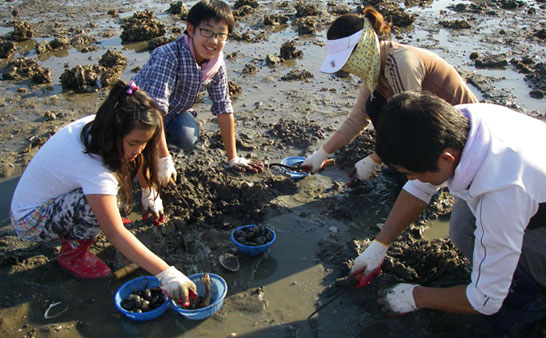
<point x="229" y="261"/>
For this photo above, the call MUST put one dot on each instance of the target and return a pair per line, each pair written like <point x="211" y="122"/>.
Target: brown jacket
<point x="409" y="68"/>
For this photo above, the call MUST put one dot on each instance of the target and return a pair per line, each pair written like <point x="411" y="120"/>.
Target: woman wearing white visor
<point x="361" y="46"/>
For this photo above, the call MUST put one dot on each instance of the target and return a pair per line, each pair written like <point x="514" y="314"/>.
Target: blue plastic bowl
<point x="139" y="283"/>
<point x="252" y="250"/>
<point x="219" y="291"/>
<point x="294" y="161"/>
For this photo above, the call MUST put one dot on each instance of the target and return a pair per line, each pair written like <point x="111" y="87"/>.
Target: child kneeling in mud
<point x="179" y="71"/>
<point x="69" y="190"/>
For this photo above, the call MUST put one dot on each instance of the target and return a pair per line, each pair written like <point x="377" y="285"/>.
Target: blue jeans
<point x="183" y="131"/>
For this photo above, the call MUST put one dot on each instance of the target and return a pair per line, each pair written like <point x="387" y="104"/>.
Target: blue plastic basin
<point x="139" y="283"/>
<point x="294" y="161"/>
<point x="256" y="249"/>
<point x="219" y="291"/>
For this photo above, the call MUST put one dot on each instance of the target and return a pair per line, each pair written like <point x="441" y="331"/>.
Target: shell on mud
<point x="229" y="261"/>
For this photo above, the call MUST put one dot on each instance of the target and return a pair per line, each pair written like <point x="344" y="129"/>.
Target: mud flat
<point x="56" y="61"/>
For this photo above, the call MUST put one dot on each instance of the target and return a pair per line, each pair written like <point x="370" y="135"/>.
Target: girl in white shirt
<point x="69" y="191"/>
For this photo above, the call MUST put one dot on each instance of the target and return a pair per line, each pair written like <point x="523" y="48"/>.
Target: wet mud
<point x="56" y="62"/>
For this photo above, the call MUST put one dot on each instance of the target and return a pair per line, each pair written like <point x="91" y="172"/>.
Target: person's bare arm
<point x="141" y="177"/>
<point x="452" y="299"/>
<point x="163" y="150"/>
<point x="227" y="130"/>
<point x="107" y="213"/>
<point x="405" y="210"/>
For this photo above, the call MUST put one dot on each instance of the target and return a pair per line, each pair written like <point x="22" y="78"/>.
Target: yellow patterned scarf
<point x="365" y="61"/>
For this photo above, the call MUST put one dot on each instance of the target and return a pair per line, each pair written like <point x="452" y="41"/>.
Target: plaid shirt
<point x="173" y="79"/>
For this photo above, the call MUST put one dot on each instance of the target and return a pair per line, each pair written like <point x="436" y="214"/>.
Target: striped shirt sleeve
<point x="404" y="71"/>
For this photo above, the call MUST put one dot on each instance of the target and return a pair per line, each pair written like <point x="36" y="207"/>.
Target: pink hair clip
<point x="133" y="87"/>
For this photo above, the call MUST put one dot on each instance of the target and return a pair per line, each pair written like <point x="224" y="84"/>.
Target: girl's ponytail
<point x="378" y="23"/>
<point x="348" y="24"/>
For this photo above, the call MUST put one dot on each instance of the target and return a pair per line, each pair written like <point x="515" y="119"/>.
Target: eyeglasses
<point x="207" y="33"/>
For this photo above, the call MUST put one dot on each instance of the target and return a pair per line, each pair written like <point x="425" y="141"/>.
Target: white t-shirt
<point x="59" y="167"/>
<point x="502" y="177"/>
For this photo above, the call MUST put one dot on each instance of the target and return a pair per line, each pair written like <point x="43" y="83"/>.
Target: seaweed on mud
<point x="81" y="77"/>
<point x="275" y="19"/>
<point x="306" y="25"/>
<point x="289" y="51"/>
<point x="297" y="74"/>
<point x="241" y="3"/>
<point x="243" y="11"/>
<point x="142" y="26"/>
<point x="23" y="68"/>
<point x="7" y="48"/>
<point x="22" y="31"/>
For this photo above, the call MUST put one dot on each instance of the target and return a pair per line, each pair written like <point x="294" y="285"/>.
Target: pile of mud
<point x="220" y="199"/>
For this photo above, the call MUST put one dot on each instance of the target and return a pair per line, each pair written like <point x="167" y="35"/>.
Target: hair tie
<point x="133" y="87"/>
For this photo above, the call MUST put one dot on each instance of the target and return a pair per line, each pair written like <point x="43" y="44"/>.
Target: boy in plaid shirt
<point x="179" y="70"/>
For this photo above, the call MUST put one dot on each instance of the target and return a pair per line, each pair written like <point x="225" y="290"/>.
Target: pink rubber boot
<point x="76" y="258"/>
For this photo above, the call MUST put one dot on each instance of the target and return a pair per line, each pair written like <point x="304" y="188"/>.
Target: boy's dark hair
<point x="205" y="10"/>
<point x="119" y="114"/>
<point x="348" y="24"/>
<point x="414" y="128"/>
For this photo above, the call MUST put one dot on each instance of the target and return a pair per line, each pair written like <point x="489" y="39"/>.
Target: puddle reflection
<point x="265" y="268"/>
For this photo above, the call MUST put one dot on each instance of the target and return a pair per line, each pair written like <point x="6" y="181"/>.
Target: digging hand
<point x="316" y="160"/>
<point x="152" y="203"/>
<point x="242" y="164"/>
<point x="175" y="284"/>
<point x="368" y="264"/>
<point x="397" y="300"/>
<point x="362" y="171"/>
<point x="166" y="171"/>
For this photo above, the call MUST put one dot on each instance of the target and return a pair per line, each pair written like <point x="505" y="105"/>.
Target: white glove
<point x="166" y="170"/>
<point x="151" y="202"/>
<point x="238" y="162"/>
<point x="245" y="165"/>
<point x="366" y="167"/>
<point x="397" y="300"/>
<point x="316" y="160"/>
<point x="175" y="283"/>
<point x="371" y="258"/>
